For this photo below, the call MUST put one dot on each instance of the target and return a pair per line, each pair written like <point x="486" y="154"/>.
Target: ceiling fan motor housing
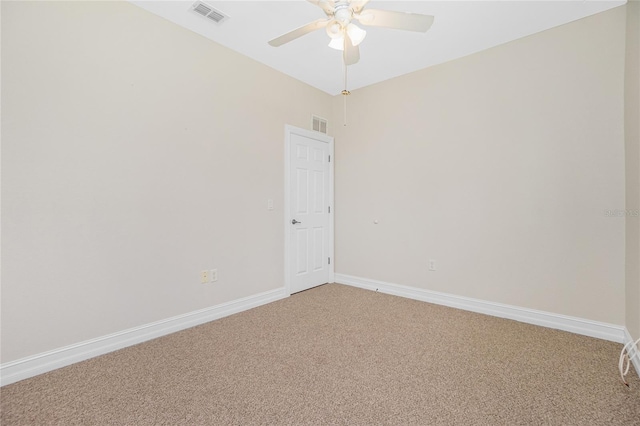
<point x="343" y="13"/>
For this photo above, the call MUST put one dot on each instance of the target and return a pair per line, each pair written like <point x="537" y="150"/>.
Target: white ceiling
<point x="460" y="28"/>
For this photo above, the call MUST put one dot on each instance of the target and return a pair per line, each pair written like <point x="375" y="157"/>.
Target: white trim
<point x="288" y="130"/>
<point x="24" y="368"/>
<point x="636" y="360"/>
<point x="614" y="333"/>
<point x="287" y="207"/>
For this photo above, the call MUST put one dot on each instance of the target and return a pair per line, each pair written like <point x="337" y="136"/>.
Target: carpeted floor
<point x="340" y="355"/>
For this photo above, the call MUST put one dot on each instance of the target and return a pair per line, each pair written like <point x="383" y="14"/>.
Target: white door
<point x="309" y="227"/>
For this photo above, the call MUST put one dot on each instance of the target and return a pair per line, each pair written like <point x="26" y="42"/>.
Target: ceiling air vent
<point x="319" y="124"/>
<point x="203" y="9"/>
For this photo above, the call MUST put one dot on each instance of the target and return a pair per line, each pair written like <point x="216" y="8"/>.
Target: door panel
<point x="309" y="192"/>
<point x="302" y="240"/>
<point x="318" y="249"/>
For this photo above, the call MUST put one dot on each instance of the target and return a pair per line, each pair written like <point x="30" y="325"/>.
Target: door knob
<point x="294" y="222"/>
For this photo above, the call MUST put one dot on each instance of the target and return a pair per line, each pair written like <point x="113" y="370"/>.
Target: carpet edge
<point x="34" y="365"/>
<point x="586" y="327"/>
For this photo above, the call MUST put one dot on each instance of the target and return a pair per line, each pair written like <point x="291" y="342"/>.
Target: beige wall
<point x="499" y="166"/>
<point x="632" y="157"/>
<point x="135" y="154"/>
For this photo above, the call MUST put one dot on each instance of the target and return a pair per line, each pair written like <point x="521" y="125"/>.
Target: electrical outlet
<point x="214" y="275"/>
<point x="204" y="277"/>
<point x="432" y="265"/>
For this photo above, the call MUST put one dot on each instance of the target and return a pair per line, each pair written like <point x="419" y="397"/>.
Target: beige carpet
<point x="340" y="355"/>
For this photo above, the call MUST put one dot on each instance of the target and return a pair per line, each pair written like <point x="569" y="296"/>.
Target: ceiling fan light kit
<point x="337" y="43"/>
<point x="334" y="29"/>
<point x="356" y="34"/>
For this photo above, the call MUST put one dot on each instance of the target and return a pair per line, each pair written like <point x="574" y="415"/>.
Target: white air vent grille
<point x="208" y="12"/>
<point x="319" y="124"/>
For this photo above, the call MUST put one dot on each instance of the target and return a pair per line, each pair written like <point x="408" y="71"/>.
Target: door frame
<point x="288" y="131"/>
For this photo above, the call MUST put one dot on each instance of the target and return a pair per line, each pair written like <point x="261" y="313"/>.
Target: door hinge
<point x="329" y="261"/>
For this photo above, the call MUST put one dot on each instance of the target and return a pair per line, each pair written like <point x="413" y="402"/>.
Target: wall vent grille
<point x="319" y="124"/>
<point x="207" y="11"/>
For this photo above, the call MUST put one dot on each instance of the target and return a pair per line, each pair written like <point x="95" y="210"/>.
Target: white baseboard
<point x="636" y="360"/>
<point x="611" y="332"/>
<point x="24" y="368"/>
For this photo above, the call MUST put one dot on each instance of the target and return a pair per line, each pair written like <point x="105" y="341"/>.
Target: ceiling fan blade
<point x="358" y="5"/>
<point x="351" y="53"/>
<point x="327" y="5"/>
<point x="396" y="20"/>
<point x="299" y="32"/>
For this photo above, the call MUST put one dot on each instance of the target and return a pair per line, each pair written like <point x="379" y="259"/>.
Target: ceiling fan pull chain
<point x="345" y="93"/>
<point x="345" y="108"/>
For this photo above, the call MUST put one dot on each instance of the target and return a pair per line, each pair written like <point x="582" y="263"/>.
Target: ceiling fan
<point x="345" y="34"/>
